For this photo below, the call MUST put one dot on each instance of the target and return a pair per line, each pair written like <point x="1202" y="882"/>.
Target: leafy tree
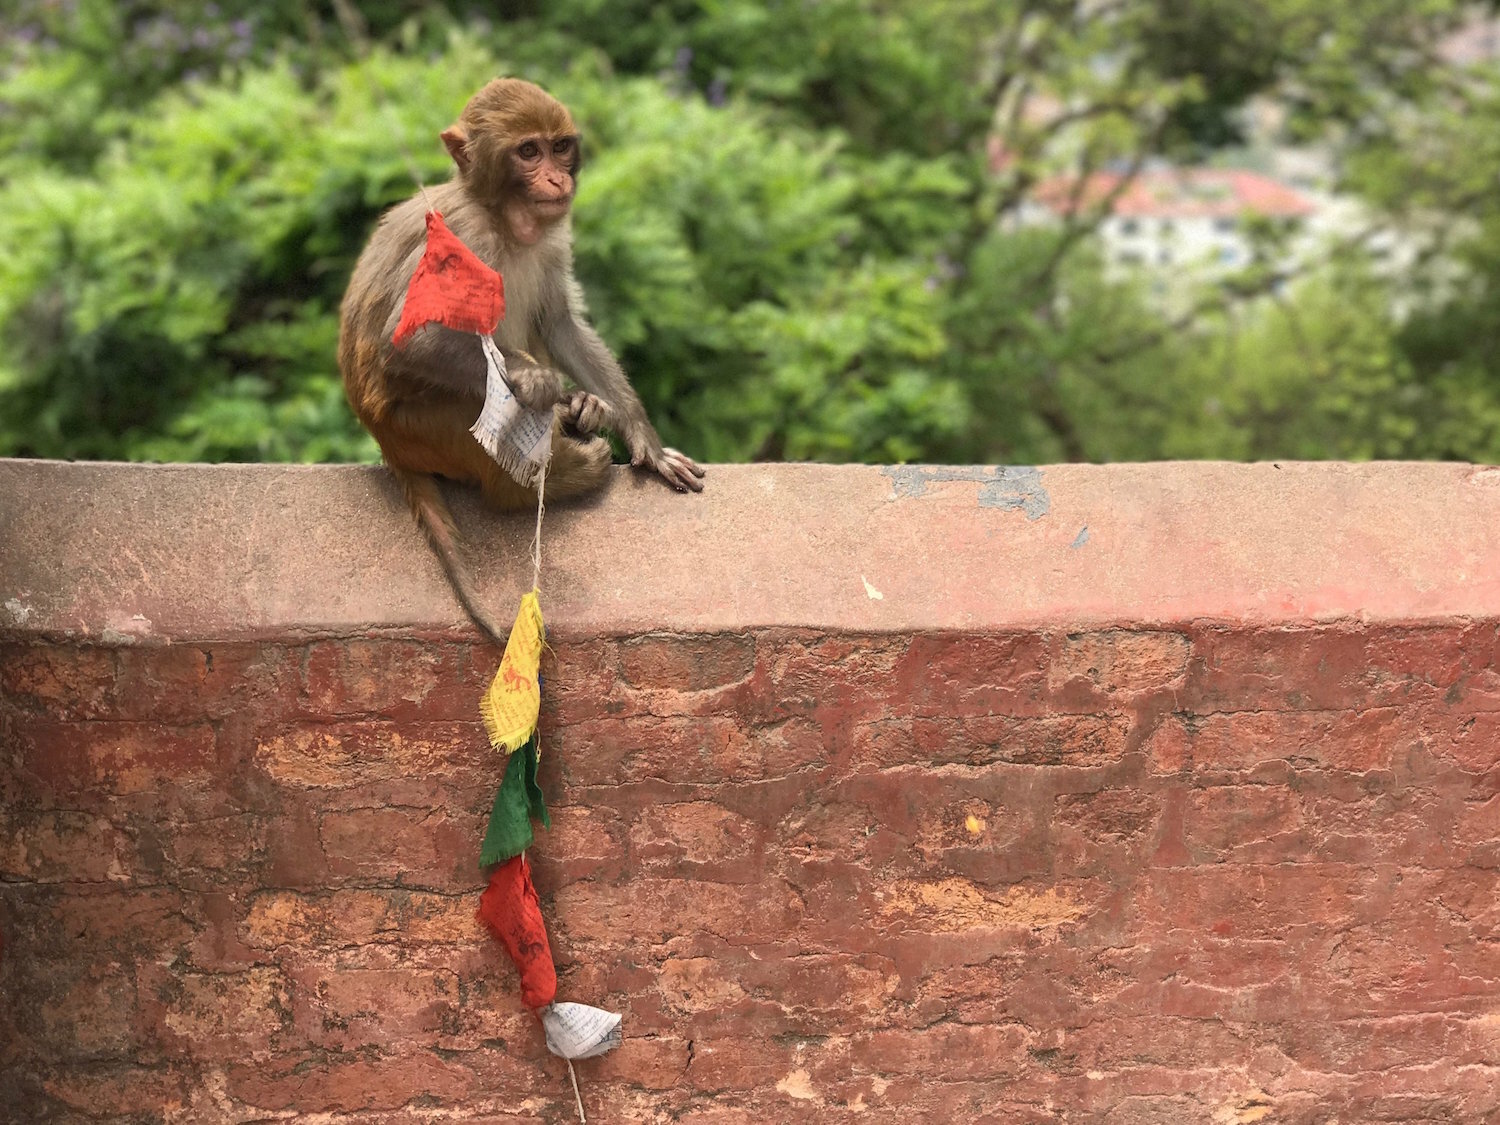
<point x="797" y="225"/>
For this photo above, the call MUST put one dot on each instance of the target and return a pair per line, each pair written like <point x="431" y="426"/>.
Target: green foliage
<point x="786" y="227"/>
<point x="180" y="300"/>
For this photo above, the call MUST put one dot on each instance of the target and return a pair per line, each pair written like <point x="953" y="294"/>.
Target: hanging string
<point x="576" y="1095"/>
<point x="536" y="539"/>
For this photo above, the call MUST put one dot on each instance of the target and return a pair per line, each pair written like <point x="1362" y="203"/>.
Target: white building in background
<point x="1476" y="43"/>
<point x="1174" y="221"/>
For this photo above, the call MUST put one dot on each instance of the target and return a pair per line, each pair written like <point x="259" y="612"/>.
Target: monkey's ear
<point x="457" y="143"/>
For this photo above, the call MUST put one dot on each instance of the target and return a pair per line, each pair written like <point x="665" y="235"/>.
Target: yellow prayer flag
<point x="514" y="699"/>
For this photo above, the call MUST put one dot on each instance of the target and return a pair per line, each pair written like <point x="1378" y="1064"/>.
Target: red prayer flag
<point x="451" y="287"/>
<point x="509" y="907"/>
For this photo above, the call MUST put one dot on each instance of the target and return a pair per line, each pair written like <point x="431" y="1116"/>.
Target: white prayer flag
<point x="518" y="438"/>
<point x="577" y="1031"/>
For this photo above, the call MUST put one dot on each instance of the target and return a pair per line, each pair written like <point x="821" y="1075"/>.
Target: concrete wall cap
<point x="125" y="553"/>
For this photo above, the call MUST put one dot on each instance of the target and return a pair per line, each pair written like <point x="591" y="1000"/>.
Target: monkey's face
<point x="543" y="171"/>
<point x="516" y="148"/>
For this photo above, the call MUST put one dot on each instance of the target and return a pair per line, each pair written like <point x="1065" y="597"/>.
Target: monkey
<point x="516" y="156"/>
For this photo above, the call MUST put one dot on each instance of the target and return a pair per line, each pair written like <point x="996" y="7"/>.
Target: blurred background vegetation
<point x="810" y="228"/>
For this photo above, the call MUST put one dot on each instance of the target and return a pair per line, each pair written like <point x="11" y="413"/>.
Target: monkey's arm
<point x="580" y="352"/>
<point x="454" y="361"/>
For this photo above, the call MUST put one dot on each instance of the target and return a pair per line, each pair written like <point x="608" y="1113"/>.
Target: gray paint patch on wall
<point x="1001" y="486"/>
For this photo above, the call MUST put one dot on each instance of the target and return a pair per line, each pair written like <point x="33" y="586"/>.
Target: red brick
<point x="583" y="843"/>
<point x="1275" y="669"/>
<point x="1379" y="738"/>
<point x="701" y="984"/>
<point x="342" y="755"/>
<point x="357" y="917"/>
<point x="209" y="851"/>
<point x="738" y="1064"/>
<point x="1091" y="668"/>
<point x="830" y="679"/>
<point x="1477" y="745"/>
<point x="786" y="994"/>
<point x="961" y="906"/>
<point x="1426" y="663"/>
<point x="187" y="683"/>
<point x="421" y="847"/>
<point x="1147" y="1040"/>
<point x="93" y="922"/>
<point x="1406" y="826"/>
<point x="393" y="679"/>
<point x="697" y="840"/>
<point x="917" y="820"/>
<point x="1264" y="900"/>
<point x="968" y="676"/>
<point x="869" y="879"/>
<point x="87" y="1011"/>
<point x="946" y="1051"/>
<point x="689" y="749"/>
<point x="1043" y="986"/>
<point x="213" y="1015"/>
<point x="137" y="1091"/>
<point x="579" y="681"/>
<point x="63" y="847"/>
<point x="1108" y="830"/>
<point x="826" y="993"/>
<point x="66" y="682"/>
<point x="686" y="664"/>
<point x="333" y="1083"/>
<point x="656" y="910"/>
<point x="348" y="1008"/>
<point x="1060" y="740"/>
<point x="721" y="1115"/>
<point x="78" y="763"/>
<point x="652" y="1064"/>
<point x="1364" y="1045"/>
<point x="1440" y="1092"/>
<point x="1169" y="745"/>
<point x="1245" y="822"/>
<point x="832" y="830"/>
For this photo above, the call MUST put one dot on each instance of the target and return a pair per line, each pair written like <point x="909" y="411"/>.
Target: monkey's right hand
<point x="537" y="387"/>
<point x="588" y="413"/>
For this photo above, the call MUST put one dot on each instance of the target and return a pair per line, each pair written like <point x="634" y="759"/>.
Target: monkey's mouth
<point x="553" y="206"/>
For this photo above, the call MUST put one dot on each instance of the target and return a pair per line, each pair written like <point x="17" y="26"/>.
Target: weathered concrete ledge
<point x="196" y="552"/>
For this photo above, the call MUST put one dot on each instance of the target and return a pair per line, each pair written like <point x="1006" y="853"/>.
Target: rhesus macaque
<point x="516" y="153"/>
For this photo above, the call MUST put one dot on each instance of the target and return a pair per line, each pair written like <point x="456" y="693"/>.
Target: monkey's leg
<point x="432" y="436"/>
<point x="579" y="464"/>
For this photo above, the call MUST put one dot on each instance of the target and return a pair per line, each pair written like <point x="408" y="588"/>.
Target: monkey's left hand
<point x="677" y="469"/>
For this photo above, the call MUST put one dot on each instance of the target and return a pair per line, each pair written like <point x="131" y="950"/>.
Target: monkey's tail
<point x="432" y="514"/>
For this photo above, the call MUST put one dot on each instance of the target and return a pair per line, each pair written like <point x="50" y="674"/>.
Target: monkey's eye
<point x="529" y="151"/>
<point x="562" y="147"/>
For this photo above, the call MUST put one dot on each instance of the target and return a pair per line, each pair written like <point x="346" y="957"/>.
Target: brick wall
<point x="877" y="796"/>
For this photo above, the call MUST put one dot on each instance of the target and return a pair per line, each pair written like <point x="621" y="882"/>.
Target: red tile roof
<point x="1180" y="193"/>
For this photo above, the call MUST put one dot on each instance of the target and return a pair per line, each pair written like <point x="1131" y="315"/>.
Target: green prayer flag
<point x="519" y="799"/>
